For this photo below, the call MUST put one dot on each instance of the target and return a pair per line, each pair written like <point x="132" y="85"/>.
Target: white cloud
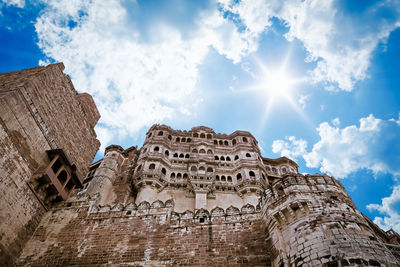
<point x="17" y="3"/>
<point x="135" y="82"/>
<point x="374" y="146"/>
<point x="342" y="45"/>
<point x="291" y="148"/>
<point x="390" y="209"/>
<point x="303" y="101"/>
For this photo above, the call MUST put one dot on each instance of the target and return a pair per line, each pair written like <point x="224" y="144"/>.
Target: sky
<point x="315" y="81"/>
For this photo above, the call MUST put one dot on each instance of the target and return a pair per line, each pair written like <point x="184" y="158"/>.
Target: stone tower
<point x="184" y="198"/>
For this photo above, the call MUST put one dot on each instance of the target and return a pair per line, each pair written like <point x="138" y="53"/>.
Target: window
<point x="169" y="137"/>
<point x="220" y="142"/>
<point x="209" y="169"/>
<point x="215" y="142"/>
<point x="179" y="175"/>
<point x="181" y="155"/>
<point x="228" y="159"/>
<point x="217" y="177"/>
<point x="188" y="140"/>
<point x="185" y="176"/>
<point x="216" y="158"/>
<point x="263" y="176"/>
<point x="251" y="174"/>
<point x="62" y="176"/>
<point x="178" y="139"/>
<point x="160" y="133"/>
<point x="239" y="176"/>
<point x="193" y="169"/>
<point x="139" y="167"/>
<point x="202" y="151"/>
<point x="194" y="150"/>
<point x="209" y="151"/>
<point x="175" y="155"/>
<point x="209" y="136"/>
<point x="156" y="149"/>
<point x="274" y="170"/>
<point x="248" y="155"/>
<point x="202" y="135"/>
<point x="236" y="157"/>
<point x="163" y="171"/>
<point x="226" y="143"/>
<point x="222" y="158"/>
<point x="172" y="175"/>
<point x="245" y="139"/>
<point x="195" y="135"/>
<point x="229" y="179"/>
<point x="144" y="151"/>
<point x="152" y="166"/>
<point x="149" y="135"/>
<point x="284" y="170"/>
<point x="202" y="169"/>
<point x="187" y="156"/>
<point x="234" y="142"/>
<point x="223" y="178"/>
<point x="166" y="152"/>
<point x="183" y="140"/>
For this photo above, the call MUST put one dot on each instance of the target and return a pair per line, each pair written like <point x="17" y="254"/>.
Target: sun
<point x="277" y="84"/>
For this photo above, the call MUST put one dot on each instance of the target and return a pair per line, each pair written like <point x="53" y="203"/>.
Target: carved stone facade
<point x="184" y="198"/>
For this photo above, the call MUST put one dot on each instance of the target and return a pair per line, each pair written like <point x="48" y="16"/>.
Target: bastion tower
<point x="193" y="197"/>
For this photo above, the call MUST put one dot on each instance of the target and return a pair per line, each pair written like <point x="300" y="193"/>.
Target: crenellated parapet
<point x="312" y="220"/>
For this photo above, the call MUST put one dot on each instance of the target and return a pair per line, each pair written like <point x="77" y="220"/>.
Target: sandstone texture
<point x="193" y="198"/>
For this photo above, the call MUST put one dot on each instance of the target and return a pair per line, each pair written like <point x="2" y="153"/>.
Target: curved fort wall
<point x="310" y="219"/>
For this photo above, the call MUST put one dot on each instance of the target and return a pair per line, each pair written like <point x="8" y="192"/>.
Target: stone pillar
<point x="106" y="173"/>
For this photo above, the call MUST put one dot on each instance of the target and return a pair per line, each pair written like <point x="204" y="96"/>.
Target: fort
<point x="184" y="198"/>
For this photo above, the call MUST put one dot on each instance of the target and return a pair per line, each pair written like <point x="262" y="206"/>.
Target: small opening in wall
<point x="70" y="204"/>
<point x="128" y="212"/>
<point x="202" y="220"/>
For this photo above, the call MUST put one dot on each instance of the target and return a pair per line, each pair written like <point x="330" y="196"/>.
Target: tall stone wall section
<point x="39" y="110"/>
<point x="311" y="220"/>
<point x="81" y="233"/>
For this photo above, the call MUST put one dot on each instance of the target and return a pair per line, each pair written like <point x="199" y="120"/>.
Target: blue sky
<point x="316" y="81"/>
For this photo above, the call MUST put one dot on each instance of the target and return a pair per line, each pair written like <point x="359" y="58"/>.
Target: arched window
<point x="209" y="151"/>
<point x="274" y="170"/>
<point x="179" y="175"/>
<point x="284" y="170"/>
<point x="220" y="142"/>
<point x="195" y="135"/>
<point x="251" y="174"/>
<point x="175" y="155"/>
<point x="187" y="156"/>
<point x="166" y="152"/>
<point x="183" y="140"/>
<point x="229" y="179"/>
<point x="152" y="166"/>
<point x="172" y="175"/>
<point x="181" y="155"/>
<point x="223" y="178"/>
<point x="209" y="136"/>
<point x="222" y="158"/>
<point x="156" y="149"/>
<point x="268" y="169"/>
<point x="193" y="169"/>
<point x="234" y="142"/>
<point x="160" y="133"/>
<point x="217" y="177"/>
<point x="188" y="140"/>
<point x="202" y="135"/>
<point x="139" y="167"/>
<point x="178" y="139"/>
<point x="239" y="176"/>
<point x="202" y="168"/>
<point x="209" y="169"/>
<point x="245" y="139"/>
<point x="236" y="157"/>
<point x="163" y="171"/>
<point x="216" y="158"/>
<point x="215" y="142"/>
<point x="226" y="143"/>
<point x="194" y="150"/>
<point x="228" y="159"/>
<point x="169" y="137"/>
<point x="248" y="155"/>
<point x="185" y="176"/>
<point x="202" y="151"/>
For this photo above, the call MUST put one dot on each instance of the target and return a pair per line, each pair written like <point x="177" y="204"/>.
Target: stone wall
<point x="81" y="233"/>
<point x="312" y="220"/>
<point x="39" y="110"/>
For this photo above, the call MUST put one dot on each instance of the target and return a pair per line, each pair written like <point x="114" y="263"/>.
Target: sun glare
<point x="277" y="84"/>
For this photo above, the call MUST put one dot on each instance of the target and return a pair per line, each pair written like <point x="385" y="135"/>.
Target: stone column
<point x="106" y="173"/>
